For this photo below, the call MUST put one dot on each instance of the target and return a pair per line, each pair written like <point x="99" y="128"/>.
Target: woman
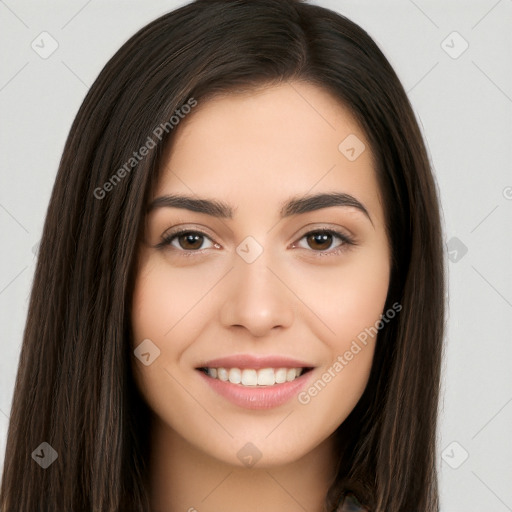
<point x="190" y="349"/>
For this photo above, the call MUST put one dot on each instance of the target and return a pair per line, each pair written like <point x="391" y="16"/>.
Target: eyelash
<point x="347" y="241"/>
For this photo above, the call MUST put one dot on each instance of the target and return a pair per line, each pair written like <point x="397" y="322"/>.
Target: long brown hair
<point x="74" y="387"/>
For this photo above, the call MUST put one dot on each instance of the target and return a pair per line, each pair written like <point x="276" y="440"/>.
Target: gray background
<point x="464" y="104"/>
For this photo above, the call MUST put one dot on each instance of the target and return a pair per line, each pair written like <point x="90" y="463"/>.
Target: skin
<point x="249" y="150"/>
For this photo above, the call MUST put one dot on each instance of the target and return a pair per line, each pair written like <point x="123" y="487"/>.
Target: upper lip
<point x="243" y="361"/>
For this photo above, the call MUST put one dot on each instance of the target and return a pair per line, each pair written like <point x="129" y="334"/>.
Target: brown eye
<point x="190" y="241"/>
<point x="186" y="241"/>
<point x="319" y="240"/>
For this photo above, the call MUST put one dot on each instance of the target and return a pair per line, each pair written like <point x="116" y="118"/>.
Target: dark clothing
<point x="351" y="504"/>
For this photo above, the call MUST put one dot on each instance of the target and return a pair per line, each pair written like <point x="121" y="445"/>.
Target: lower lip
<point x="257" y="397"/>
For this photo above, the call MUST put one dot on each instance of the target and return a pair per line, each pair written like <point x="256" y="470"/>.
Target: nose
<point x="257" y="298"/>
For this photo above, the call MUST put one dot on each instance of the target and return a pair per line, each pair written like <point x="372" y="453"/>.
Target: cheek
<point x="164" y="310"/>
<point x="346" y="299"/>
<point x="334" y="392"/>
<point x="170" y="307"/>
<point x="349" y="301"/>
<point x="156" y="310"/>
<point x="164" y="300"/>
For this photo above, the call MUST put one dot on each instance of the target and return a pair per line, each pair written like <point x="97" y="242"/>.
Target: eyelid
<point x="326" y="226"/>
<point x="347" y="242"/>
<point x="346" y="239"/>
<point x="177" y="231"/>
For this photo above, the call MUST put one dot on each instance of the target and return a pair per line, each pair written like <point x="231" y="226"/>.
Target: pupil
<point x="321" y="238"/>
<point x="191" y="237"/>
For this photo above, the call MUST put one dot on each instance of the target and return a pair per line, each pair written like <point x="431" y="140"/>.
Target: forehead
<point x="267" y="145"/>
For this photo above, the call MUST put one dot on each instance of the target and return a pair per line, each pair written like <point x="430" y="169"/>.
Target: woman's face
<point x="256" y="287"/>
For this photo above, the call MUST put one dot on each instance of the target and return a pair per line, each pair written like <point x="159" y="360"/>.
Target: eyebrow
<point x="294" y="206"/>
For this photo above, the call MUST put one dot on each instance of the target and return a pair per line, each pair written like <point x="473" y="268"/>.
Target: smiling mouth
<point x="251" y="377"/>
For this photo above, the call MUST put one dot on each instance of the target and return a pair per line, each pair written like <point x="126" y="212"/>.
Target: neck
<point x="184" y="479"/>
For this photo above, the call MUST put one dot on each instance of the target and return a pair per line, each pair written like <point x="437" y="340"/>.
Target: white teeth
<point x="222" y="374"/>
<point x="281" y="376"/>
<point x="252" y="377"/>
<point x="290" y="375"/>
<point x="235" y="376"/>
<point x="266" y="377"/>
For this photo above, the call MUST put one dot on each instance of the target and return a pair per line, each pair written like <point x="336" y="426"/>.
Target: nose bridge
<point x="256" y="298"/>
